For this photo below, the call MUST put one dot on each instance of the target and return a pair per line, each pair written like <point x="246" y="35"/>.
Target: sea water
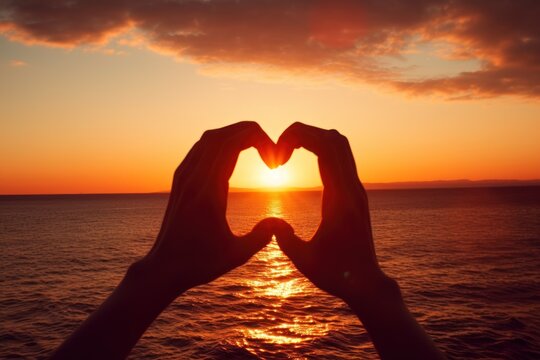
<point x="467" y="261"/>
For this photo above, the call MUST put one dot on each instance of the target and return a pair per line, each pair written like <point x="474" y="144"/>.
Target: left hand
<point x="195" y="244"/>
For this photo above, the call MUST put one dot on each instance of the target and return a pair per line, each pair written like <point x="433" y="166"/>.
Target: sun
<point x="274" y="177"/>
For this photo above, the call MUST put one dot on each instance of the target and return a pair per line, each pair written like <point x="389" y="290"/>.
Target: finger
<point x="185" y="175"/>
<point x="300" y="135"/>
<point x="251" y="135"/>
<point x="244" y="247"/>
<point x="230" y="140"/>
<point x="219" y="160"/>
<point x="222" y="147"/>
<point x="191" y="158"/>
<point x="295" y="248"/>
<point x="184" y="169"/>
<point x="336" y="162"/>
<point x="317" y="141"/>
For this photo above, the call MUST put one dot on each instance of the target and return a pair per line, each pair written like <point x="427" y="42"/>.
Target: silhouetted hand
<point x="195" y="244"/>
<point x="340" y="258"/>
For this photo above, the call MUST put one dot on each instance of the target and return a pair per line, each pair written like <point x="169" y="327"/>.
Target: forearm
<point x="393" y="330"/>
<point x="116" y="326"/>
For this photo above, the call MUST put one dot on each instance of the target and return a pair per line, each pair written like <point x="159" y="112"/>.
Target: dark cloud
<point x="341" y="38"/>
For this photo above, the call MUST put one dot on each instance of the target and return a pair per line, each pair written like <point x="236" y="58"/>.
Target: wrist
<point x="379" y="297"/>
<point x="153" y="278"/>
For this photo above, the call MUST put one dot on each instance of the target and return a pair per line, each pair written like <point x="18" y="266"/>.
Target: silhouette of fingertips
<point x="288" y="242"/>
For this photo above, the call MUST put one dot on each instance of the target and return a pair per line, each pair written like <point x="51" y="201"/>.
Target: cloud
<point x="343" y="39"/>
<point x="17" y="63"/>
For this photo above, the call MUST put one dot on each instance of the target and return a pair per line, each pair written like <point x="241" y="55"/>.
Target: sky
<point x="108" y="96"/>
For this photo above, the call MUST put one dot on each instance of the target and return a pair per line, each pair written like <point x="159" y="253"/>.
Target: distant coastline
<point x="405" y="185"/>
<point x="442" y="184"/>
<point x="436" y="184"/>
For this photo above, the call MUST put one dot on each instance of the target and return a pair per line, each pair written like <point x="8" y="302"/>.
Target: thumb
<point x="248" y="245"/>
<point x="294" y="247"/>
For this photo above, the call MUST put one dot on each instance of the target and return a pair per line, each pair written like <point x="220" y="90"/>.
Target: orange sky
<point x="117" y="113"/>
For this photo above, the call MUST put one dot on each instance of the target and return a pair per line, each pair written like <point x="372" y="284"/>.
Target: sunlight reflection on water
<point x="278" y="283"/>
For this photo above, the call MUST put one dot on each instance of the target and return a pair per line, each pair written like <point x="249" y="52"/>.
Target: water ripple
<point x="468" y="262"/>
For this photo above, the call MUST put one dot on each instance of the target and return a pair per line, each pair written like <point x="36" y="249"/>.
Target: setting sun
<point x="274" y="177"/>
<point x="250" y="172"/>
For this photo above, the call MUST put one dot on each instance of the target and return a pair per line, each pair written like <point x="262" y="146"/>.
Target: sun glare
<point x="274" y="177"/>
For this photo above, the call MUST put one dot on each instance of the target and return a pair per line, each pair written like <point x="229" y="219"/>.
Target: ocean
<point x="467" y="261"/>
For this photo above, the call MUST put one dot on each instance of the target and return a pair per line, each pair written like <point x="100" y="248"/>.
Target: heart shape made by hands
<point x="276" y="156"/>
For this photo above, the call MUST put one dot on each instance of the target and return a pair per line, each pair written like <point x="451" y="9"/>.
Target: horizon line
<point x="396" y="185"/>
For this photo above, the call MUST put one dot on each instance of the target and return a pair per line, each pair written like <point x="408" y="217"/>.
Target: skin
<point x="340" y="258"/>
<point x="196" y="246"/>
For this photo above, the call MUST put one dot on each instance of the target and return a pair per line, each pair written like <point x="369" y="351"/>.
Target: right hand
<point x="340" y="259"/>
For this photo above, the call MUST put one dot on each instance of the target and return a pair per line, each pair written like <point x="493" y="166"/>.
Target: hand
<point x="340" y="259"/>
<point x="195" y="244"/>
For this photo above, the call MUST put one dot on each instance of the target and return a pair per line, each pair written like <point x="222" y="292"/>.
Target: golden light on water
<point x="304" y="328"/>
<point x="274" y="206"/>
<point x="278" y="284"/>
